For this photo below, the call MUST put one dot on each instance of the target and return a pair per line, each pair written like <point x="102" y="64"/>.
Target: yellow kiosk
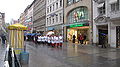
<point x="16" y="37"/>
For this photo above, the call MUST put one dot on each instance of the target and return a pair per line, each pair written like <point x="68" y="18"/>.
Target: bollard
<point x="24" y="57"/>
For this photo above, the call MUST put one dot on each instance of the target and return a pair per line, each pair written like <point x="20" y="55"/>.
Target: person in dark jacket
<point x="3" y="39"/>
<point x="74" y="38"/>
<point x="81" y="38"/>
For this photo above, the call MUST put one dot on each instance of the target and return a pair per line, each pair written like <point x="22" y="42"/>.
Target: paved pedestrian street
<point x="2" y="55"/>
<point x="72" y="56"/>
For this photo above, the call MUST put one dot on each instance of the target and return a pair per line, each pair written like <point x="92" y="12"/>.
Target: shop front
<point x="77" y="30"/>
<point x="78" y="23"/>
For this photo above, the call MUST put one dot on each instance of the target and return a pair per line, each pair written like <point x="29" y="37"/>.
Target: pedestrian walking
<point x="53" y="40"/>
<point x="3" y="37"/>
<point x="36" y="38"/>
<point x="45" y="40"/>
<point x="57" y="41"/>
<point x="73" y="38"/>
<point x="60" y="40"/>
<point x="81" y="38"/>
<point x="49" y="40"/>
<point x="39" y="40"/>
<point x="84" y="40"/>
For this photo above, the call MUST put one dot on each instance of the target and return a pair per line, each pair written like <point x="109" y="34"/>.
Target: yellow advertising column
<point x="16" y="34"/>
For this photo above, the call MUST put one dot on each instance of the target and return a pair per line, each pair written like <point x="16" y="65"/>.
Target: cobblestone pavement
<point x="2" y="55"/>
<point x="72" y="55"/>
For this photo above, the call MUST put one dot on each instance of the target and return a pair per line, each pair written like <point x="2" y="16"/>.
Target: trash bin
<point x="24" y="57"/>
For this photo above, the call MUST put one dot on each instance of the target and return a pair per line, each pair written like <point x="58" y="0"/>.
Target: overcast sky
<point x="13" y="8"/>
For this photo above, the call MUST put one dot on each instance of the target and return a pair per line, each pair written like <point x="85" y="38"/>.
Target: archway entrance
<point x="102" y="34"/>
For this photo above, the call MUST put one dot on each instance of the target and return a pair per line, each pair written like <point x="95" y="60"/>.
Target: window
<point x="101" y="10"/>
<point x="50" y="8"/>
<point x="50" y="20"/>
<point x="60" y="16"/>
<point x="48" y="1"/>
<point x="53" y="19"/>
<point x="76" y="0"/>
<point x="115" y="6"/>
<point x="56" y="18"/>
<point x="77" y="15"/>
<point x="60" y="3"/>
<point x="53" y="7"/>
<point x="69" y="2"/>
<point x="47" y="21"/>
<point x="56" y="5"/>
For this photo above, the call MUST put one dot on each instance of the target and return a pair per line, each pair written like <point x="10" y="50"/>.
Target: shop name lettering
<point x="80" y="25"/>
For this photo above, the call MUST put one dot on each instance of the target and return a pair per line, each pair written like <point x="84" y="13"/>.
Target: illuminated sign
<point x="80" y="25"/>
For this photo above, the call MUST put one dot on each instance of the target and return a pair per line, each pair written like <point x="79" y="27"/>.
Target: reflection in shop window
<point x="69" y="2"/>
<point x="76" y="0"/>
<point x="78" y="15"/>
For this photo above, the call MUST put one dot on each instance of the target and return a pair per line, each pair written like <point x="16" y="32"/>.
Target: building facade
<point x="22" y="18"/>
<point x="113" y="9"/>
<point x="106" y="14"/>
<point x="29" y="19"/>
<point x="2" y="24"/>
<point x="77" y="19"/>
<point x="39" y="16"/>
<point x="2" y="18"/>
<point x="54" y="16"/>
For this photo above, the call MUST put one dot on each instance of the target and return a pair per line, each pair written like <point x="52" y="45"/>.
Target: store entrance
<point x="103" y="34"/>
<point x="77" y="31"/>
<point x="118" y="36"/>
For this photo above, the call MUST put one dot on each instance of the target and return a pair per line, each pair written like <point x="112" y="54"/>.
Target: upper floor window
<point x="60" y="16"/>
<point x="48" y="1"/>
<point x="53" y="7"/>
<point x="115" y="6"/>
<point x="50" y="8"/>
<point x="76" y="0"/>
<point x="69" y="2"/>
<point x="60" y="3"/>
<point x="56" y="5"/>
<point x="53" y="19"/>
<point x="57" y="18"/>
<point x="77" y="15"/>
<point x="47" y="21"/>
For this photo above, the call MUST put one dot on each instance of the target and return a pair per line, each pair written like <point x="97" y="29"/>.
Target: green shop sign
<point x="80" y="25"/>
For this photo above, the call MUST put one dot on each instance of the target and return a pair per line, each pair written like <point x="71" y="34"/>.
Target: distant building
<point x="26" y="18"/>
<point x="54" y="16"/>
<point x="2" y="23"/>
<point x="22" y="18"/>
<point x="2" y="18"/>
<point x="39" y="16"/>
